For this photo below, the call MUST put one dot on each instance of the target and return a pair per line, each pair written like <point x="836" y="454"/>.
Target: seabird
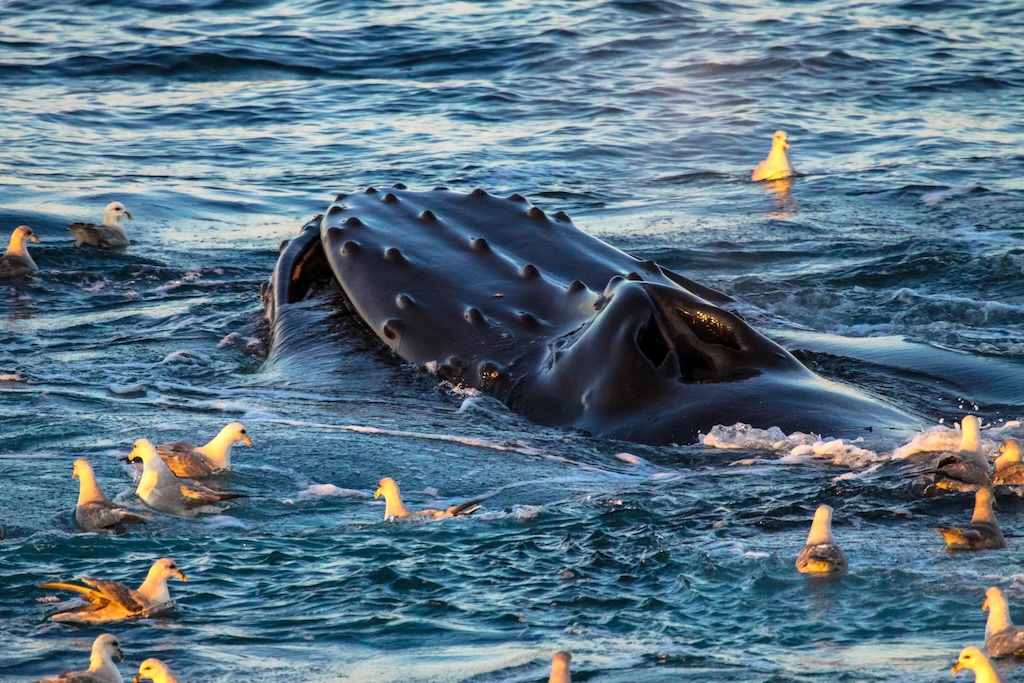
<point x="161" y="490"/>
<point x="95" y="512"/>
<point x="777" y="165"/>
<point x="821" y="554"/>
<point x="1001" y="636"/>
<point x="109" y="235"/>
<point x="967" y="469"/>
<point x="974" y="659"/>
<point x="187" y="460"/>
<point x="560" y="668"/>
<point x="156" y="671"/>
<point x="101" y="664"/>
<point x="1009" y="467"/>
<point x="395" y="509"/>
<point x="16" y="261"/>
<point x="113" y="601"/>
<point x="982" y="533"/>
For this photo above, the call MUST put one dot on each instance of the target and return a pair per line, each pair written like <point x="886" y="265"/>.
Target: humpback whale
<point x="495" y="294"/>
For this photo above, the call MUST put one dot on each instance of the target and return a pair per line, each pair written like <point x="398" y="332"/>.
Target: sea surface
<point x="896" y="257"/>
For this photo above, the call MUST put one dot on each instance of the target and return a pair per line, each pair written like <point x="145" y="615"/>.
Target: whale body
<point x="494" y="294"/>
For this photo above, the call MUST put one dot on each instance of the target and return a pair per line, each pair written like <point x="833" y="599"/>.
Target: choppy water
<point x="224" y="125"/>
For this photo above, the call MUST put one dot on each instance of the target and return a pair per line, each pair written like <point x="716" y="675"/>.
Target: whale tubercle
<point x="529" y="272"/>
<point x="516" y="197"/>
<point x="353" y="222"/>
<point x="563" y="216"/>
<point x="428" y="216"/>
<point x="575" y="287"/>
<point x="394" y="255"/>
<point x="479" y="244"/>
<point x="370" y="190"/>
<point x="389" y="198"/>
<point x="334" y="209"/>
<point x="404" y="301"/>
<point x="350" y="248"/>
<point x="473" y="315"/>
<point x="478" y="192"/>
<point x="400" y="186"/>
<point x="528" y="319"/>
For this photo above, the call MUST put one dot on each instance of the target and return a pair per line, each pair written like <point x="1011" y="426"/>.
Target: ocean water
<point x="894" y="262"/>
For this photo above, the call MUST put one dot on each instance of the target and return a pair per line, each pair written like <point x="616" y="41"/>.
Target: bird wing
<point x="14" y="266"/>
<point x="202" y="495"/>
<point x="76" y="677"/>
<point x="1012" y="474"/>
<point x="969" y="469"/>
<point x="96" y="235"/>
<point x="102" y="595"/>
<point x="175" y="447"/>
<point x="103" y="514"/>
<point x="91" y="595"/>
<point x="1009" y="641"/>
<point x="463" y="509"/>
<point x="186" y="464"/>
<point x="118" y="593"/>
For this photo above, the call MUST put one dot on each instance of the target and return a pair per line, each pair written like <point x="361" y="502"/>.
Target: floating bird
<point x="982" y="533"/>
<point x="95" y="512"/>
<point x="101" y="664"/>
<point x="16" y="261"/>
<point x="156" y="671"/>
<point x="967" y="469"/>
<point x="777" y="165"/>
<point x="113" y="601"/>
<point x="974" y="659"/>
<point x="821" y="554"/>
<point x="1001" y="636"/>
<point x="395" y="508"/>
<point x="560" y="668"/>
<point x="109" y="235"/>
<point x="1009" y="467"/>
<point x="160" y="489"/>
<point x="187" y="460"/>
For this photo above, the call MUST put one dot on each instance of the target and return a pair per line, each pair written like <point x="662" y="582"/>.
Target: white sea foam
<point x="224" y="522"/>
<point x="135" y="389"/>
<point x="939" y="196"/>
<point x="795" y="448"/>
<point x="629" y="458"/>
<point x="325" y="490"/>
<point x="230" y="339"/>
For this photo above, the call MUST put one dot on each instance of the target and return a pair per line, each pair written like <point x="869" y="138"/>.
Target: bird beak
<point x="128" y="216"/>
<point x="181" y="575"/>
<point x="120" y="654"/>
<point x="378" y="493"/>
<point x="984" y="606"/>
<point x="247" y="441"/>
<point x="138" y="677"/>
<point x="34" y="238"/>
<point x="74" y="474"/>
<point x="956" y="668"/>
<point x="785" y="145"/>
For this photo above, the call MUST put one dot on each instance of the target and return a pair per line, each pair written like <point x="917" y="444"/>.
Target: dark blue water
<point x="223" y="126"/>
